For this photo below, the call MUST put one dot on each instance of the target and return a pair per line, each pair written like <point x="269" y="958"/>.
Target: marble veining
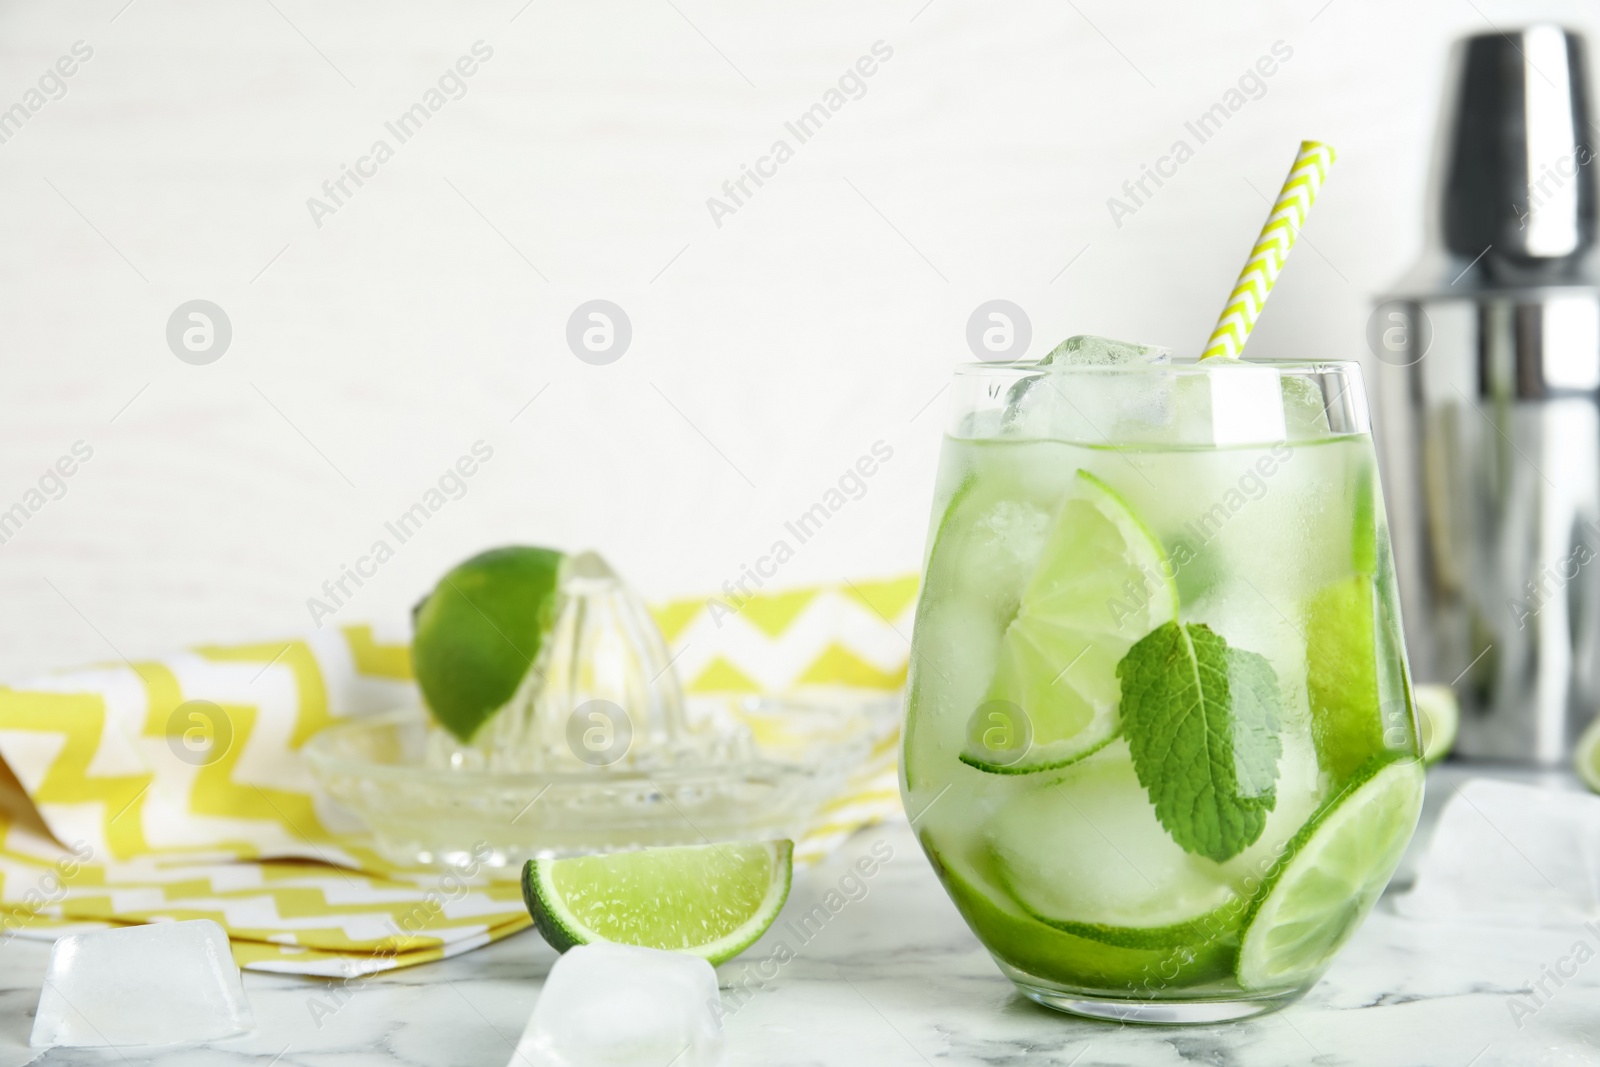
<point x="894" y="979"/>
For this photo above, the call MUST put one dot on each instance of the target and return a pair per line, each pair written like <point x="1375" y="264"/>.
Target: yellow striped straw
<point x="1289" y="213"/>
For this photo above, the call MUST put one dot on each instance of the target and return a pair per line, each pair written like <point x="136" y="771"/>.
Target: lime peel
<point x="1212" y="928"/>
<point x="1047" y="950"/>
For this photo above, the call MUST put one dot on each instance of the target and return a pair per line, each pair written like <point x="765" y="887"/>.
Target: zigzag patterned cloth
<point x="105" y="823"/>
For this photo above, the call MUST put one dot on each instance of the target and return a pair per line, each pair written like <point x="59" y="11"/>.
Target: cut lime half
<point x="480" y="631"/>
<point x="1330" y="874"/>
<point x="711" y="901"/>
<point x="1102" y="582"/>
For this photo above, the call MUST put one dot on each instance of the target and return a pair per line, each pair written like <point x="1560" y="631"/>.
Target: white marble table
<point x="896" y="979"/>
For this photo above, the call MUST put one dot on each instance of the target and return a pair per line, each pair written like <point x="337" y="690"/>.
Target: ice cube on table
<point x="160" y="984"/>
<point x="1512" y="855"/>
<point x="606" y="1005"/>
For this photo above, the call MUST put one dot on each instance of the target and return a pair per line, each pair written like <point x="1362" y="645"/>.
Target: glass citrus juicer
<point x="595" y="748"/>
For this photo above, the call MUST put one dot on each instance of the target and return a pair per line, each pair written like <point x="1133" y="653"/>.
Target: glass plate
<point x="806" y="747"/>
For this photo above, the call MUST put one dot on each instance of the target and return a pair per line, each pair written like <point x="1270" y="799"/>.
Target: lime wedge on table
<point x="711" y="901"/>
<point x="1102" y="582"/>
<point x="1440" y="716"/>
<point x="478" y="634"/>
<point x="1587" y="757"/>
<point x="1329" y="876"/>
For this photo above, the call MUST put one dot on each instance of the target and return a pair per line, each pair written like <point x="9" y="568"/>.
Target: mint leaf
<point x="1202" y="722"/>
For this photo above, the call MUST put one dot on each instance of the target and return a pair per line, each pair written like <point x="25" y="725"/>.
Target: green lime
<point x="1342" y="675"/>
<point x="478" y="634"/>
<point x="1212" y="928"/>
<point x="1329" y="876"/>
<point x="1102" y="582"/>
<point x="981" y="554"/>
<point x="1440" y="716"/>
<point x="1045" y="951"/>
<point x="1587" y="757"/>
<point x="711" y="901"/>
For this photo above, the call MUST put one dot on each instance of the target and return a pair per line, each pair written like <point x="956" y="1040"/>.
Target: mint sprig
<point x="1202" y="723"/>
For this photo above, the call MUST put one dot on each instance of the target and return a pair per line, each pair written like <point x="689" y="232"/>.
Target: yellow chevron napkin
<point x="106" y="818"/>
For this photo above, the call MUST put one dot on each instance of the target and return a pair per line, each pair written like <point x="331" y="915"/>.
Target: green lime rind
<point x="1219" y="925"/>
<point x="1076" y="620"/>
<point x="480" y="631"/>
<point x="1021" y="941"/>
<point x="559" y="936"/>
<point x="1308" y="829"/>
<point x="1310" y="900"/>
<point x="712" y="901"/>
<point x="1038" y="759"/>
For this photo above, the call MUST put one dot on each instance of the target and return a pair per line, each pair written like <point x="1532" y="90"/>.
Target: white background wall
<point x="768" y="354"/>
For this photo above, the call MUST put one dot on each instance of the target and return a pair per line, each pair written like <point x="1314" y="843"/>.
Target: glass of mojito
<point x="1160" y="745"/>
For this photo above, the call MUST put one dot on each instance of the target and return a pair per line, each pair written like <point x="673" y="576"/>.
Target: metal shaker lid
<point x="1513" y="190"/>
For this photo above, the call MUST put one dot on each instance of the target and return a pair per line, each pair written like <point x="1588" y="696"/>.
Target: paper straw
<point x="1289" y="213"/>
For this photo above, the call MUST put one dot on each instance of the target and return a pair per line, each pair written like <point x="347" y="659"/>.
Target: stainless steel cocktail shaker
<point x="1488" y="390"/>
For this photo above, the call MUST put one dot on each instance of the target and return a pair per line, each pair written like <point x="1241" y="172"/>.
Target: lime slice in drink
<point x="478" y="634"/>
<point x="1342" y="675"/>
<point x="1440" y="717"/>
<point x="1102" y="582"/>
<point x="1329" y="876"/>
<point x="711" y="901"/>
<point x="1046" y="951"/>
<point x="983" y="551"/>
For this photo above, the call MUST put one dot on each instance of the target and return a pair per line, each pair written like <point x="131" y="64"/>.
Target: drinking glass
<point x="1160" y="744"/>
